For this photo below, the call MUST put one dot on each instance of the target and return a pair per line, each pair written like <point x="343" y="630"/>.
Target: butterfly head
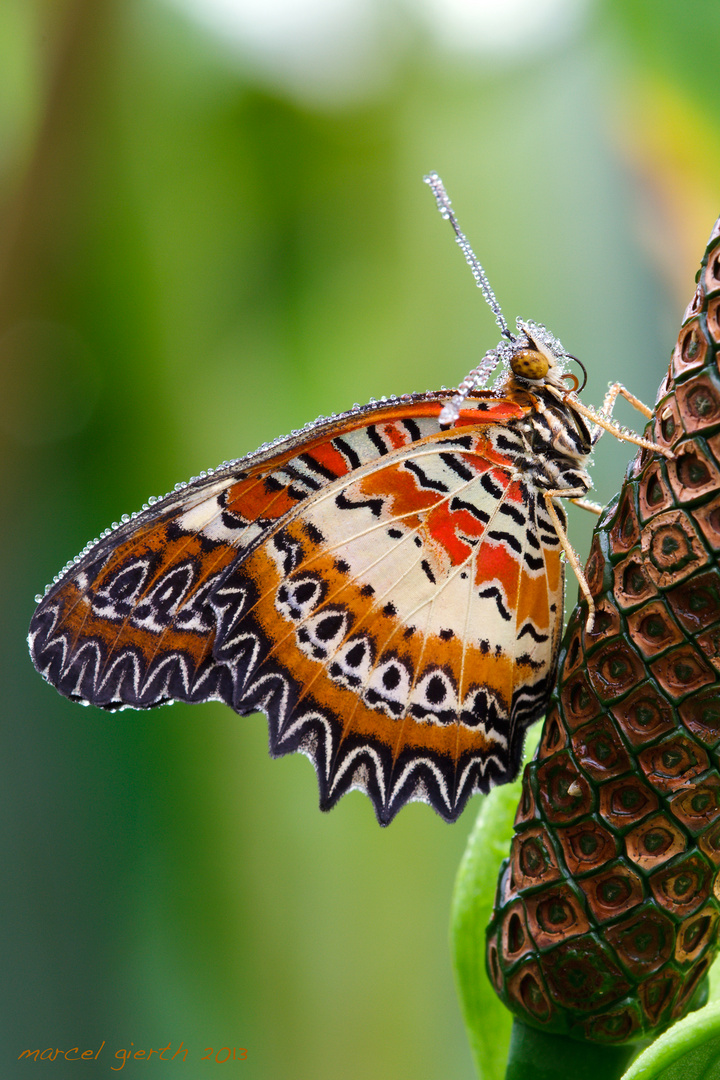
<point x="532" y="358"/>
<point x="530" y="364"/>
<point x="537" y="357"/>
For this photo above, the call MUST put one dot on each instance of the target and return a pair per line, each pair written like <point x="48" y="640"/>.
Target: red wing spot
<point x="331" y="459"/>
<point x="514" y="491"/>
<point x="395" y="436"/>
<point x="496" y="562"/>
<point x="250" y="500"/>
<point x="497" y="412"/>
<point x="449" y="527"/>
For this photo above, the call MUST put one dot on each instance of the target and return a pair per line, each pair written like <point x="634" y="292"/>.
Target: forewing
<point x="381" y="589"/>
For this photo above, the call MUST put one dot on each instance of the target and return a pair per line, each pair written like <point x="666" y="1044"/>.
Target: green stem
<point x="537" y="1055"/>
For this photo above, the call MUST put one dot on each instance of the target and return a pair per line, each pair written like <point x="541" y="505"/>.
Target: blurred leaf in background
<point x="213" y="229"/>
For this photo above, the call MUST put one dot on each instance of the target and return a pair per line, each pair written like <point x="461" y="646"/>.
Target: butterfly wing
<point x="387" y="592"/>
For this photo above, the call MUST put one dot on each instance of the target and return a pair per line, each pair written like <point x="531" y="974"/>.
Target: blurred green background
<point x="213" y="228"/>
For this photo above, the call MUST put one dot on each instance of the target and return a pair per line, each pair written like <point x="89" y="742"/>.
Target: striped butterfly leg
<point x="601" y="422"/>
<point x="614" y="391"/>
<point x="588" y="504"/>
<point x="601" y="419"/>
<point x="574" y="495"/>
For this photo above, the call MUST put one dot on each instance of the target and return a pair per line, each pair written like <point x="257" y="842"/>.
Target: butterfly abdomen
<point x="607" y="912"/>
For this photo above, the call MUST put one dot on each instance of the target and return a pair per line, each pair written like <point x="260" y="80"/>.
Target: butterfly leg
<point x="570" y="554"/>
<point x="588" y="504"/>
<point x="614" y="391"/>
<point x="601" y="420"/>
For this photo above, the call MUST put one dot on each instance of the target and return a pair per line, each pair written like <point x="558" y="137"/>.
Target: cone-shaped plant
<point x="607" y="913"/>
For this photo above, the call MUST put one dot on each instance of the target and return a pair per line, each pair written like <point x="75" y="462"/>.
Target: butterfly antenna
<point x="445" y="208"/>
<point x="479" y="376"/>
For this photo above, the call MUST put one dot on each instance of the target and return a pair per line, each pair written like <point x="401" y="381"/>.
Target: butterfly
<point x="385" y="584"/>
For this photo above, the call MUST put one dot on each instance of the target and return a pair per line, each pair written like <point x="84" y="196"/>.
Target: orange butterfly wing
<point x="389" y="593"/>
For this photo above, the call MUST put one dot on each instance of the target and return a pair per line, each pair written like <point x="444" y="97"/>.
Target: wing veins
<point x="332" y="597"/>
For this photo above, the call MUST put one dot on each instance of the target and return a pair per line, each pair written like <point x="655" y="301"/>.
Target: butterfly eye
<point x="529" y="364"/>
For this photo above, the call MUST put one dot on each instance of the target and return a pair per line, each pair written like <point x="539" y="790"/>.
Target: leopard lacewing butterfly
<point x="385" y="584"/>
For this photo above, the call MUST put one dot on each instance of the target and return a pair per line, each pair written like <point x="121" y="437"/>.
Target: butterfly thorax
<point x="556" y="436"/>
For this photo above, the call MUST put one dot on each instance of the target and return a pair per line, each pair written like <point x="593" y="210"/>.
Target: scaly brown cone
<point x="607" y="912"/>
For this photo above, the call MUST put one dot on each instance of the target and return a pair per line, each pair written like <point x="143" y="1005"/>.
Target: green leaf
<point x="690" y="1050"/>
<point x="487" y="1021"/>
<point x="714" y="980"/>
